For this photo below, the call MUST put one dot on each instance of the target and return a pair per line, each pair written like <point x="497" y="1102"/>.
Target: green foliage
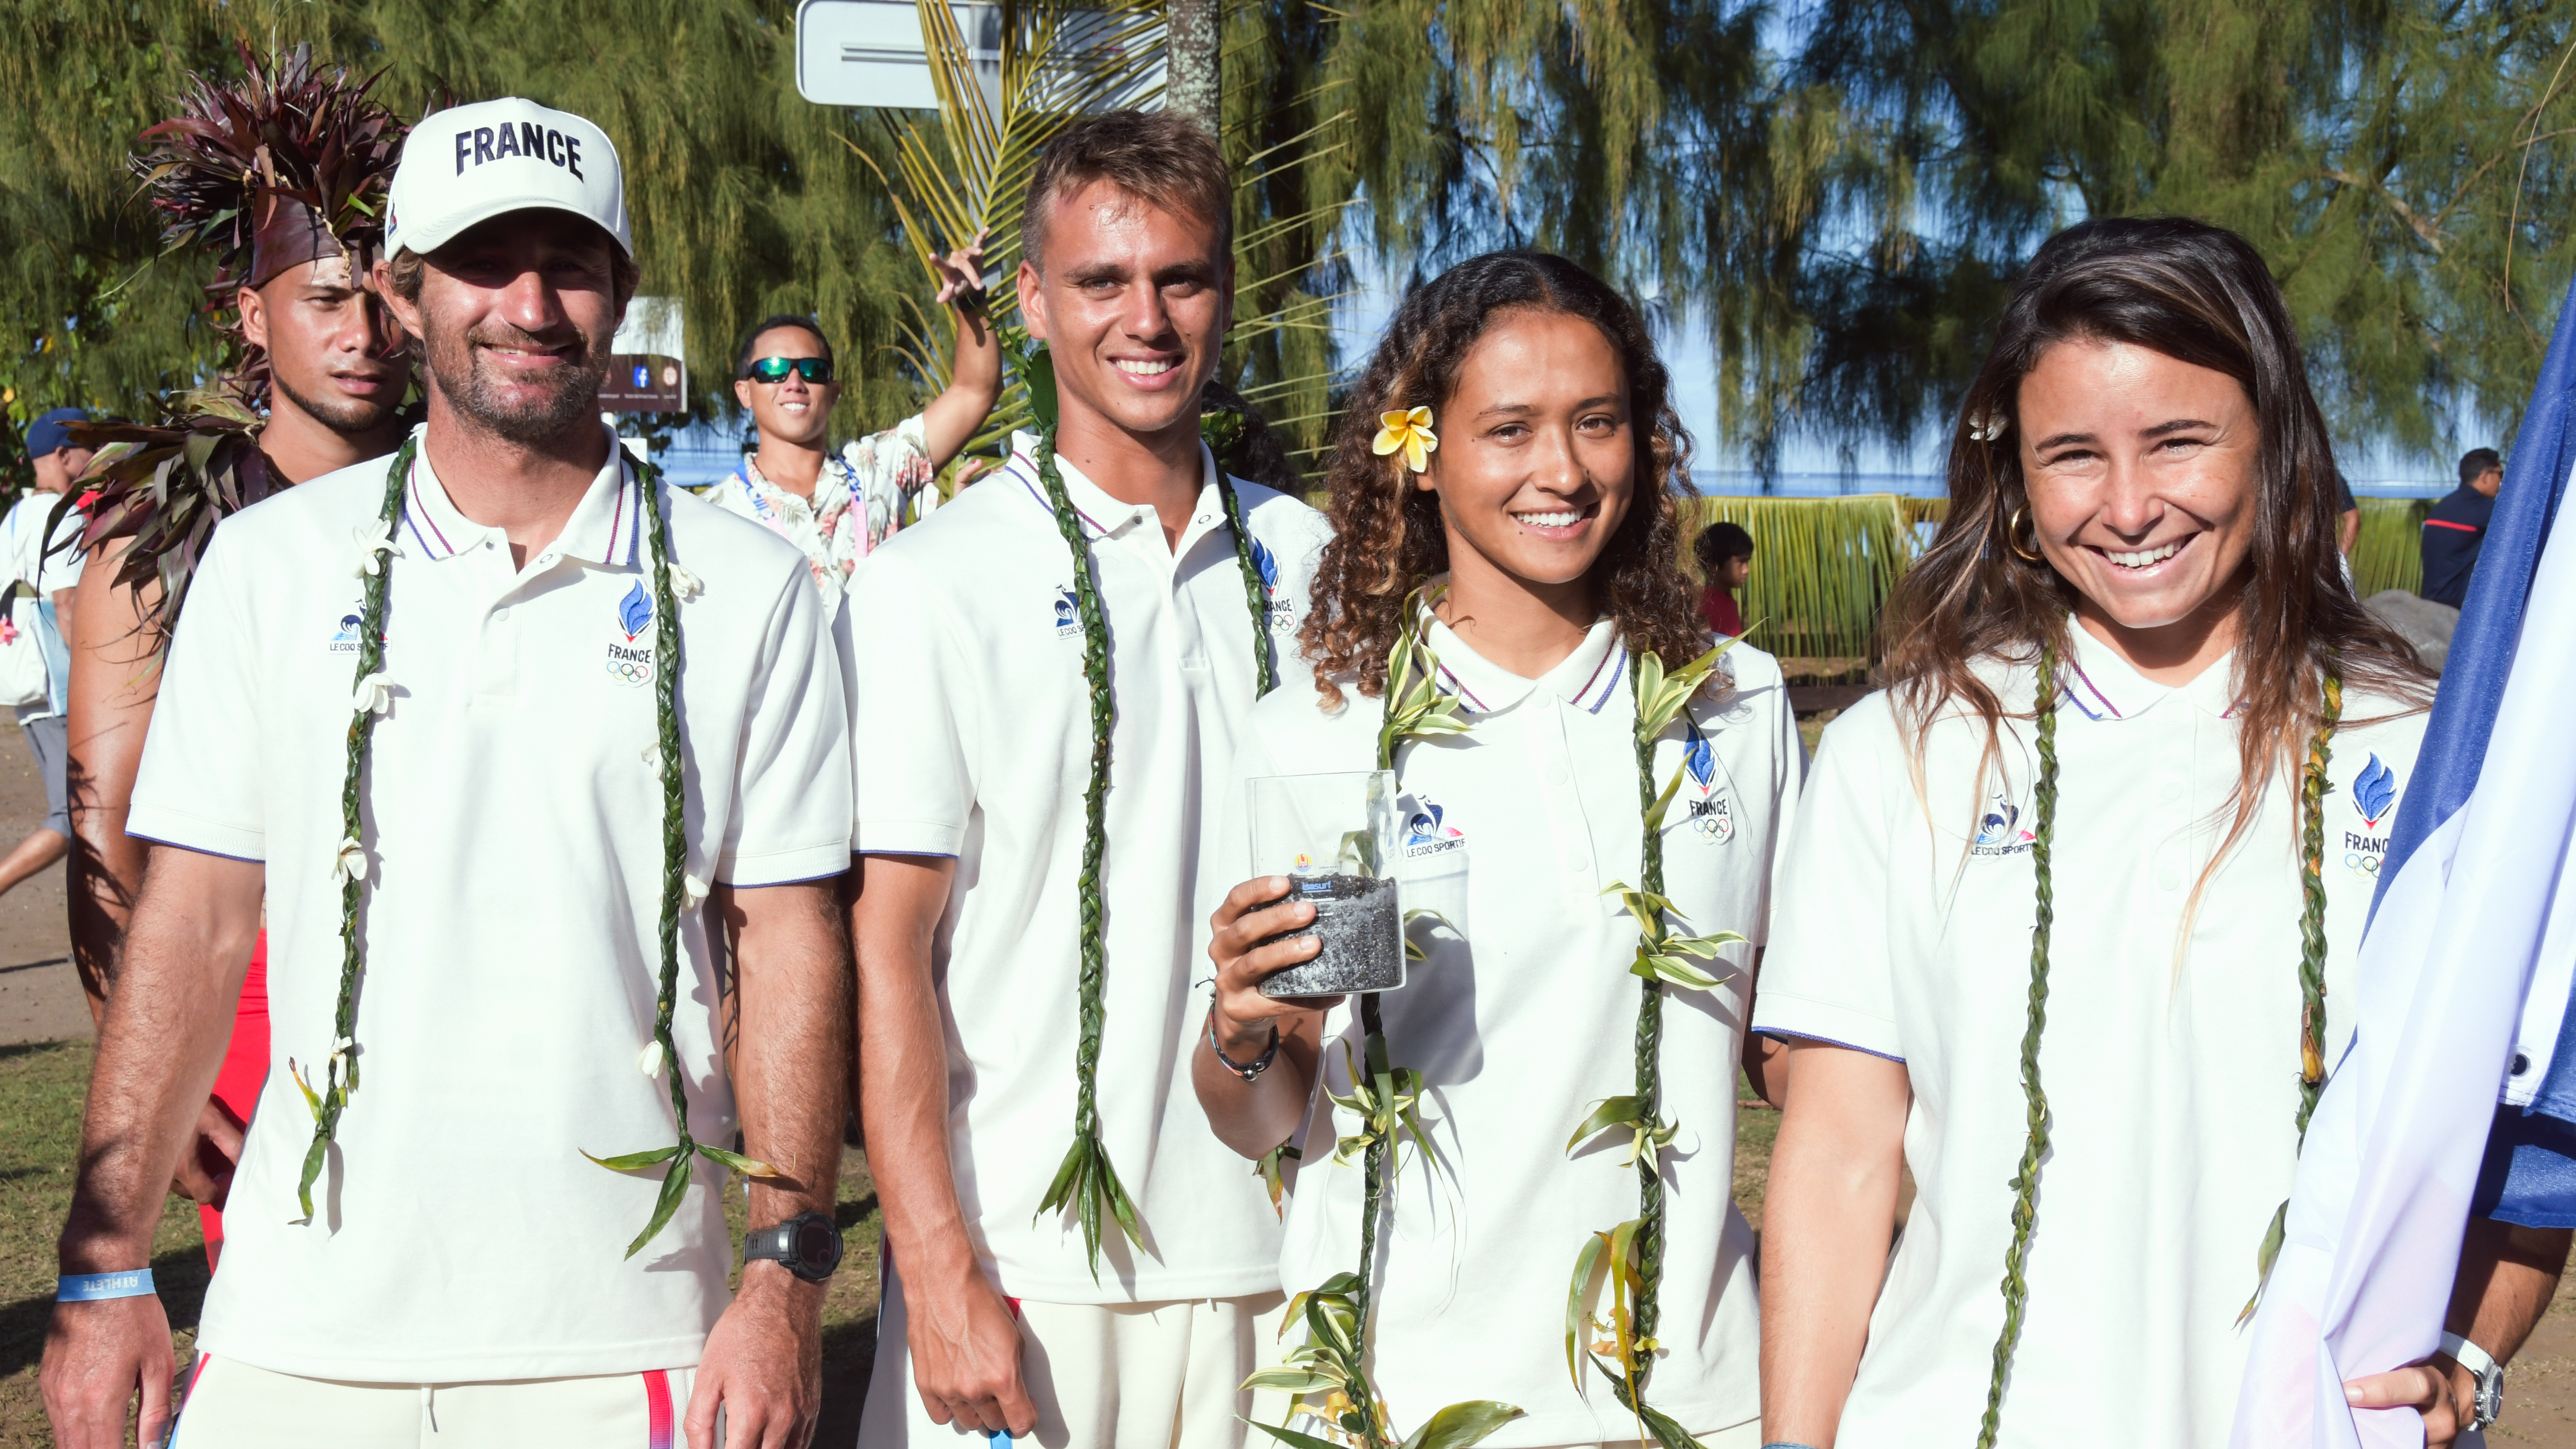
<point x="2403" y="166"/>
<point x="2388" y="552"/>
<point x="1821" y="569"/>
<point x="745" y="199"/>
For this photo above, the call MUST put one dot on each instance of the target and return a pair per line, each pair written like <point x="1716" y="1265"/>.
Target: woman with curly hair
<point x="1590" y="800"/>
<point x="2070" y="924"/>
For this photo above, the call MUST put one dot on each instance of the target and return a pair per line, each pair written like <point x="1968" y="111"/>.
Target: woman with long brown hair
<point x="2070" y="922"/>
<point x="1588" y="798"/>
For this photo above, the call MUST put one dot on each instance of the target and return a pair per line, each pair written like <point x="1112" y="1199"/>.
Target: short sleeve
<point x="1828" y="974"/>
<point x="915" y="711"/>
<point x="791" y="817"/>
<point x="200" y="783"/>
<point x="1788" y="786"/>
<point x="897" y="459"/>
<point x="62" y="568"/>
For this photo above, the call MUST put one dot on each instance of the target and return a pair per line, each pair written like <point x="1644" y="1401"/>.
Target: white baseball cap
<point x="468" y="164"/>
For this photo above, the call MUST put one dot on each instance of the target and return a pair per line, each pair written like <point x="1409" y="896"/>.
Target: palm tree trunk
<point x="1195" y="85"/>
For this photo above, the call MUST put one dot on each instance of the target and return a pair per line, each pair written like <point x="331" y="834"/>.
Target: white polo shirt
<point x="2172" y="1075"/>
<point x="973" y="740"/>
<point x="1521" y="1027"/>
<point x="514" y="822"/>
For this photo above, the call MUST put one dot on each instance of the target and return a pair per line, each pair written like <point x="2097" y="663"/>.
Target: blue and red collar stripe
<point x="1029" y="479"/>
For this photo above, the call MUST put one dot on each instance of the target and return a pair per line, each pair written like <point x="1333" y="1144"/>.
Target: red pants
<point x="245" y="1071"/>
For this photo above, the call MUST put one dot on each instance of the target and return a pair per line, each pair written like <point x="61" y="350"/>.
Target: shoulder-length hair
<point x="2200" y="295"/>
<point x="1387" y="535"/>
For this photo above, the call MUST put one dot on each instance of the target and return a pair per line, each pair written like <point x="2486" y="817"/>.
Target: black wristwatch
<point x="808" y="1243"/>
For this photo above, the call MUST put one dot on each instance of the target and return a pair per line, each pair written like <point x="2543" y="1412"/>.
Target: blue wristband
<point x="91" y="1287"/>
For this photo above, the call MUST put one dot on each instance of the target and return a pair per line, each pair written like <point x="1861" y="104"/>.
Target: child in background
<point x="1725" y="554"/>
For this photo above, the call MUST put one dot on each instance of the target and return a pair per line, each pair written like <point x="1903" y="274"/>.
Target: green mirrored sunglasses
<point x="774" y="369"/>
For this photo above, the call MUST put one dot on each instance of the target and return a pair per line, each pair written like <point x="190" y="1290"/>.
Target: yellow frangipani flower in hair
<point x="1409" y="431"/>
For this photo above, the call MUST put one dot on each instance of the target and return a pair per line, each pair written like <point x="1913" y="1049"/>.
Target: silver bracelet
<point x="1248" y="1073"/>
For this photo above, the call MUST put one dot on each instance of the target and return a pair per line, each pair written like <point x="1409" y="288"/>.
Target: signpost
<point x="870" y="53"/>
<point x="648" y="370"/>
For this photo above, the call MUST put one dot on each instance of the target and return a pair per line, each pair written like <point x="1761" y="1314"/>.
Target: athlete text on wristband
<point x="91" y="1287"/>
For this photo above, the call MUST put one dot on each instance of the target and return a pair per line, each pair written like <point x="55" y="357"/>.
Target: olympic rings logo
<point x="2360" y="864"/>
<point x="626" y="671"/>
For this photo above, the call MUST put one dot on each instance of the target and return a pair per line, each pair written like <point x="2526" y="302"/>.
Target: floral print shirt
<point x="858" y="501"/>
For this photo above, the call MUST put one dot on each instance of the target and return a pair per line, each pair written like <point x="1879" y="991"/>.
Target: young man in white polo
<point x="1024" y="975"/>
<point x="492" y="730"/>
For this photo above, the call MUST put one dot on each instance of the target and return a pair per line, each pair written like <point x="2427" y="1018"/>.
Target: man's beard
<point x="457" y="364"/>
<point x="347" y="416"/>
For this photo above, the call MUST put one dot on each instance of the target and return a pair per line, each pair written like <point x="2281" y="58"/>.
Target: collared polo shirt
<point x="2453" y="533"/>
<point x="514" y="831"/>
<point x="2171" y="1056"/>
<point x="973" y="739"/>
<point x="1523" y="1017"/>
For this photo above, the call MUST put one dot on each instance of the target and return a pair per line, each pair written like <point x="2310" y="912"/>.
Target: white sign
<point x="870" y="53"/>
<point x="652" y="325"/>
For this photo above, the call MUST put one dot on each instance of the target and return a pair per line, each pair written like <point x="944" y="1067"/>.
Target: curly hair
<point x="1387" y="534"/>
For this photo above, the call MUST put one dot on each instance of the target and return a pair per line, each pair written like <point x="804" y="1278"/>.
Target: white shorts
<point x="1103" y="1375"/>
<point x="231" y="1405"/>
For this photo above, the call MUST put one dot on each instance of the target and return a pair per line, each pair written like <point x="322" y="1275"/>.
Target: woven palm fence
<point x="2387" y="554"/>
<point x="1822" y="567"/>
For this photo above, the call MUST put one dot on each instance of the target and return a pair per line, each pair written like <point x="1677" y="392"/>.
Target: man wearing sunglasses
<point x="838" y="508"/>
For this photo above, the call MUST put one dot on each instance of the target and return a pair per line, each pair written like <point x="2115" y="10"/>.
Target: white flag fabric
<point x="2460" y="933"/>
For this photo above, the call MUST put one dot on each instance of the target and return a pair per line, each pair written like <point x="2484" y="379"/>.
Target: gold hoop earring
<point x="2012" y="537"/>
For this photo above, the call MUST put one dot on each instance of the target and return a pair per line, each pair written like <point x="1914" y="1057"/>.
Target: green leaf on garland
<point x="2273" y="1237"/>
<point x="1291" y="1437"/>
<point x="1585" y="1263"/>
<point x="675" y="1186"/>
<point x="634" y="1160"/>
<point x="1609" y="1112"/>
<point x="747" y="1166"/>
<point x="1040" y="381"/>
<point x="1461" y="1425"/>
<point x="1294" y="1379"/>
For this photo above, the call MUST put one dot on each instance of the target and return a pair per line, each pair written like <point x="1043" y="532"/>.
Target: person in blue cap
<point x="45" y="584"/>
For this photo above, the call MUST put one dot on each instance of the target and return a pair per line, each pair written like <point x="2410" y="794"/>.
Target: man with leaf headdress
<point x="280" y="176"/>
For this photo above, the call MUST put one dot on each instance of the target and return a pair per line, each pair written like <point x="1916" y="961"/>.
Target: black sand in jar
<point x="1363" y="938"/>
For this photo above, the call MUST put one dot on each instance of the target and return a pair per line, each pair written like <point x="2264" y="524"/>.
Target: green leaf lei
<point x="1086" y="1182"/>
<point x="371" y="695"/>
<point x="1632" y="1254"/>
<point x="1332" y="1364"/>
<point x="2312" y="1012"/>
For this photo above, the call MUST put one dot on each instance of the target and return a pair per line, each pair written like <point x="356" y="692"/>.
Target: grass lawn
<point x="41" y="1091"/>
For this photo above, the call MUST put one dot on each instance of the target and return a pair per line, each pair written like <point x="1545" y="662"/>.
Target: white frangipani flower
<point x="374" y="537"/>
<point x="1986" y="427"/>
<point x="375" y="694"/>
<point x="649" y="1060"/>
<point x="696" y="888"/>
<point x="351" y="863"/>
<point x="685" y="586"/>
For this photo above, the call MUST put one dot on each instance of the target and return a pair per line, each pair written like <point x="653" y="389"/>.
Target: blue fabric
<point x="2529" y="1175"/>
<point x="2529" y="1178"/>
<point x="2457" y="525"/>
<point x="2455" y="742"/>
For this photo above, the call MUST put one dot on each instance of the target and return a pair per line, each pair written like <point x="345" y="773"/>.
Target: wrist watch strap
<point x="2488" y="1373"/>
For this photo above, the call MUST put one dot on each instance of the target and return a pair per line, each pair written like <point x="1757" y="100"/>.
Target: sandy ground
<point x="40" y="997"/>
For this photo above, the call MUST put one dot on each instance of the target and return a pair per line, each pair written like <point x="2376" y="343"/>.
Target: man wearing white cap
<point x="493" y="731"/>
